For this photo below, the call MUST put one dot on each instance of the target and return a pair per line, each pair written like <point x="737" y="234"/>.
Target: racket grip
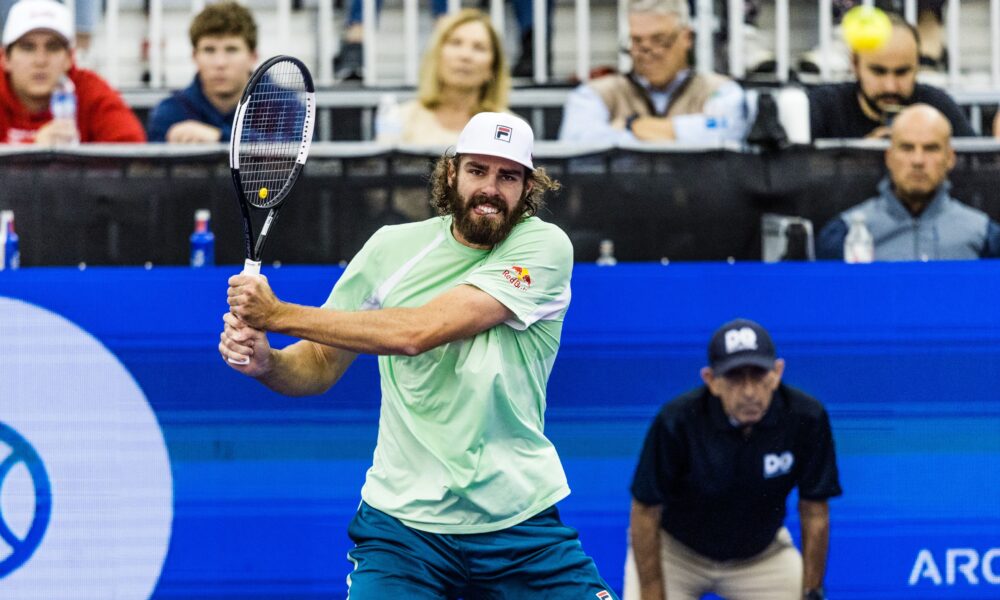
<point x="251" y="267"/>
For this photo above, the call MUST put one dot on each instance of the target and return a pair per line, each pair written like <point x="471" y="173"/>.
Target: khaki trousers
<point x="774" y="574"/>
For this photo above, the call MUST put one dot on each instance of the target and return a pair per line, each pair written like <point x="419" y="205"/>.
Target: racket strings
<point x="272" y="134"/>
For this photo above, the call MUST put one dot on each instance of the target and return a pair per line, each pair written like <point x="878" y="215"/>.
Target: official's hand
<point x="251" y="299"/>
<point x="239" y="343"/>
<point x="814" y="594"/>
<point x="57" y="132"/>
<point x="193" y="132"/>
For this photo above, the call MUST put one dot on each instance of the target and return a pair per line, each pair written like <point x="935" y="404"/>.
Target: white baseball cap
<point x="31" y="15"/>
<point x="498" y="134"/>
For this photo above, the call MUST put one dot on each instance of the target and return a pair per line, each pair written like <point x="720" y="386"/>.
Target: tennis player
<point x="465" y="311"/>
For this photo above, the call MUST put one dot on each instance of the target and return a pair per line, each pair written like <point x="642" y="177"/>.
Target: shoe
<point x="525" y="65"/>
<point x="838" y="62"/>
<point x="348" y="65"/>
<point x="757" y="53"/>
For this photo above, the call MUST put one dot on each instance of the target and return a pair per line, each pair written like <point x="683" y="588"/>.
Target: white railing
<point x="326" y="34"/>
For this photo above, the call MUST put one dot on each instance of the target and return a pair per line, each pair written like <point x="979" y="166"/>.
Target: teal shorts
<point x="538" y="559"/>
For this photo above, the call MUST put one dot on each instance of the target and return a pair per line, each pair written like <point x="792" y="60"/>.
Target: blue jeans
<point x="538" y="559"/>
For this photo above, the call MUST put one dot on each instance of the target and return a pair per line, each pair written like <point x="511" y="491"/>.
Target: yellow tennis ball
<point x="866" y="28"/>
<point x="262" y="193"/>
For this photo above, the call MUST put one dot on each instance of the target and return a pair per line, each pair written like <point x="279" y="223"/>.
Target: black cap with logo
<point x="740" y="343"/>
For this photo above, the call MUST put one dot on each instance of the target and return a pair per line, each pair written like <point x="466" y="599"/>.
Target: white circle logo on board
<point x="86" y="492"/>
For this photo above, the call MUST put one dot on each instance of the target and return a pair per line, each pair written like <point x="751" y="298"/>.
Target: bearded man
<point x="465" y="313"/>
<point x="886" y="84"/>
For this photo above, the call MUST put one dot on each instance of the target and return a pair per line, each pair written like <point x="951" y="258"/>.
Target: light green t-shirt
<point x="461" y="447"/>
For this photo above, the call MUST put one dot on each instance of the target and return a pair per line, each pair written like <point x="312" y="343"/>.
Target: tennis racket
<point x="272" y="132"/>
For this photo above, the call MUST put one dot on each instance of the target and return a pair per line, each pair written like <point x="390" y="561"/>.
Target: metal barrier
<point x="541" y="106"/>
<point x="326" y="36"/>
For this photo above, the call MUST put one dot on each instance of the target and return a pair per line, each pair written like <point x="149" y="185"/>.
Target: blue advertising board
<point x="135" y="464"/>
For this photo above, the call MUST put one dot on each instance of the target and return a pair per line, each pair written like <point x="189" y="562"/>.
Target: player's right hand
<point x="239" y="342"/>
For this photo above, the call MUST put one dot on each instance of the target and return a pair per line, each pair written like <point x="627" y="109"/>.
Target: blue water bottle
<point x="202" y="240"/>
<point x="10" y="252"/>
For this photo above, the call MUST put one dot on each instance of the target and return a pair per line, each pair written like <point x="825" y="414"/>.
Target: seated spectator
<point x="224" y="39"/>
<point x="662" y="98"/>
<point x="463" y="73"/>
<point x="886" y="82"/>
<point x="914" y="217"/>
<point x="37" y="60"/>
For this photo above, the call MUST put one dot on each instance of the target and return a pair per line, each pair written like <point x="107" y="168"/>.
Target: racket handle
<point x="251" y="267"/>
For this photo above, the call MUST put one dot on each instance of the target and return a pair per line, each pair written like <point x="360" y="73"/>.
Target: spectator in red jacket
<point x="37" y="60"/>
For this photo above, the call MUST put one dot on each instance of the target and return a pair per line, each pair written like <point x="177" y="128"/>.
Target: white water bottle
<point x="63" y="103"/>
<point x="859" y="246"/>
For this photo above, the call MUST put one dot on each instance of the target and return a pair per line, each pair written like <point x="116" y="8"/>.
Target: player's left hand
<point x="251" y="299"/>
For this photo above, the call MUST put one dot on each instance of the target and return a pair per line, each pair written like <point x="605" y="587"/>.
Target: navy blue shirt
<point x="723" y="493"/>
<point x="834" y="111"/>
<point x="188" y="104"/>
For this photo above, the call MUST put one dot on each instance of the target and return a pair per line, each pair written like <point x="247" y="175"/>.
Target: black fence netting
<point x="681" y="206"/>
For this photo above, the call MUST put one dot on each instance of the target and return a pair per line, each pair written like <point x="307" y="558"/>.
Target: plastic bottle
<point x="606" y="254"/>
<point x="63" y="103"/>
<point x="202" y="240"/>
<point x="10" y="252"/>
<point x="859" y="246"/>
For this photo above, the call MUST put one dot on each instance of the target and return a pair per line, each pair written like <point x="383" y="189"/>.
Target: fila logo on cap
<point x="740" y="339"/>
<point x="503" y="133"/>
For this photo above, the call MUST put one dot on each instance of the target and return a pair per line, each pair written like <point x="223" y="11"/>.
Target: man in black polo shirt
<point x="886" y="83"/>
<point x="718" y="464"/>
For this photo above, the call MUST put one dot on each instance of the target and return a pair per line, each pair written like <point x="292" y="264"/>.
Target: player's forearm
<point x="644" y="526"/>
<point x="815" y="520"/>
<point x="394" y="331"/>
<point x="304" y="369"/>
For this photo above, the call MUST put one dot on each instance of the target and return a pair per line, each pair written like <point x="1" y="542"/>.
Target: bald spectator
<point x="886" y="83"/>
<point x="38" y="60"/>
<point x="662" y="98"/>
<point x="914" y="217"/>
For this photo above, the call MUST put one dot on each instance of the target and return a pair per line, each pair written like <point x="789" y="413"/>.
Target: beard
<point x="887" y="105"/>
<point x="482" y="230"/>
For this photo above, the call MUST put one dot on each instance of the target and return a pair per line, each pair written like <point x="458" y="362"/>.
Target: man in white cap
<point x="37" y="61"/>
<point x="465" y="313"/>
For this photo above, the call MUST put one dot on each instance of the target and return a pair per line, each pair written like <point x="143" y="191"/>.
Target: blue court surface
<point x="906" y="358"/>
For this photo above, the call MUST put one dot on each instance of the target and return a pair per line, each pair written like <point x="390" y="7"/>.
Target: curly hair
<point x="224" y="19"/>
<point x="534" y="201"/>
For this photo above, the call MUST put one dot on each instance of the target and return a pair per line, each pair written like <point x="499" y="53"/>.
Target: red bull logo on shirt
<point x="518" y="277"/>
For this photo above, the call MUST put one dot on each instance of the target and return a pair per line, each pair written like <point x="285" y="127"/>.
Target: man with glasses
<point x="662" y="98"/>
<point x="714" y="475"/>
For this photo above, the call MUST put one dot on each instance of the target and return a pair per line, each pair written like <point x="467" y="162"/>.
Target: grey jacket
<point x="945" y="230"/>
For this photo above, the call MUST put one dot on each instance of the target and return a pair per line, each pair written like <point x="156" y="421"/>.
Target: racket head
<point x="272" y="131"/>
